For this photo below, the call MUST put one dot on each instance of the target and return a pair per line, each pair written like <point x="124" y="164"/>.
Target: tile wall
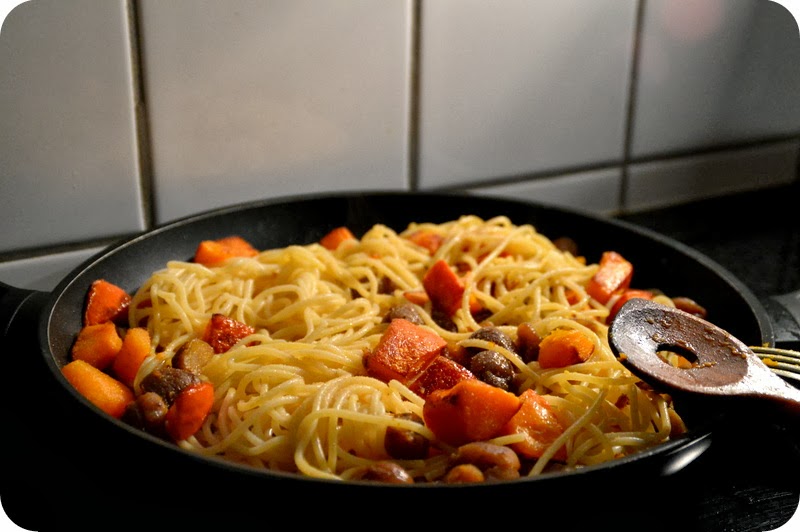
<point x="119" y="115"/>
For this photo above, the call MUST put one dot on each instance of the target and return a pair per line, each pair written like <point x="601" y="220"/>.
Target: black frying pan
<point x="76" y="440"/>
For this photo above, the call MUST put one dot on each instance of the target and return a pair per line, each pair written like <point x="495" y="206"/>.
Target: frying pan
<point x="74" y="440"/>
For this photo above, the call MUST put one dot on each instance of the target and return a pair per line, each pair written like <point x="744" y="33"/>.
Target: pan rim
<point x="691" y="439"/>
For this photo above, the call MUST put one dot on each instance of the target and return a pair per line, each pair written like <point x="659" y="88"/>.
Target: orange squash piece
<point x="106" y="302"/>
<point x="628" y="294"/>
<point x="418" y="297"/>
<point x="613" y="275"/>
<point x="564" y="347"/>
<point x="469" y="411"/>
<point x="426" y="239"/>
<point x="135" y="348"/>
<point x="403" y="351"/>
<point x="445" y="288"/>
<point x="335" y="237"/>
<point x="540" y="426"/>
<point x="97" y="344"/>
<point x="189" y="410"/>
<point x="215" y="252"/>
<point x="102" y="390"/>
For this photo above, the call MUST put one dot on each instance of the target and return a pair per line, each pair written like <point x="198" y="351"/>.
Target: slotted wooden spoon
<point x="643" y="334"/>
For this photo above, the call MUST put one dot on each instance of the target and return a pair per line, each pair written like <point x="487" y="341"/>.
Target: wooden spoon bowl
<point x="715" y="363"/>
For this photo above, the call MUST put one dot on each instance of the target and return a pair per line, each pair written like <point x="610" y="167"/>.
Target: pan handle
<point x="17" y="304"/>
<point x="784" y="313"/>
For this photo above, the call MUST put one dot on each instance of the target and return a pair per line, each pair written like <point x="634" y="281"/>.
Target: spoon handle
<point x="786" y="397"/>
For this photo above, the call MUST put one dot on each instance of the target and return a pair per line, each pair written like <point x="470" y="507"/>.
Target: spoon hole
<point x="677" y="356"/>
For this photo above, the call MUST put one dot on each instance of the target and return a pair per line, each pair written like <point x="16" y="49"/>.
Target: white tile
<point x="674" y="181"/>
<point x="45" y="272"/>
<point x="67" y="146"/>
<point x="596" y="191"/>
<point x="715" y="72"/>
<point x="252" y="99"/>
<point x="515" y="87"/>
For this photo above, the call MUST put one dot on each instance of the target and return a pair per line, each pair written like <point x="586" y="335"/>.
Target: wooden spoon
<point x="643" y="331"/>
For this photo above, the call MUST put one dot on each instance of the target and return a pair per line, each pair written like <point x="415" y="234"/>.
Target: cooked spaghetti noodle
<point x="294" y="396"/>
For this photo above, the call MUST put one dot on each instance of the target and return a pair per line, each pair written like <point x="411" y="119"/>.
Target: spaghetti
<point x="294" y="395"/>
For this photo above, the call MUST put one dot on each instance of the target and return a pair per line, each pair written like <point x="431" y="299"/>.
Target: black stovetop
<point x="755" y="235"/>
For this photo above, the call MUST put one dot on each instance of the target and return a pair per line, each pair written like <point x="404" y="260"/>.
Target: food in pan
<point x="466" y="351"/>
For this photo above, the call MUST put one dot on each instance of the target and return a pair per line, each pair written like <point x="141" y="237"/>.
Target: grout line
<point x="530" y="176"/>
<point x="633" y="77"/>
<point x="142" y="124"/>
<point x="47" y="250"/>
<point x="624" y="165"/>
<point x="413" y="96"/>
<point x="717" y="148"/>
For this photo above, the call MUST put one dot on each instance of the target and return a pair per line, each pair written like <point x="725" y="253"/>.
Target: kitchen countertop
<point x="745" y="481"/>
<point x="749" y="478"/>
